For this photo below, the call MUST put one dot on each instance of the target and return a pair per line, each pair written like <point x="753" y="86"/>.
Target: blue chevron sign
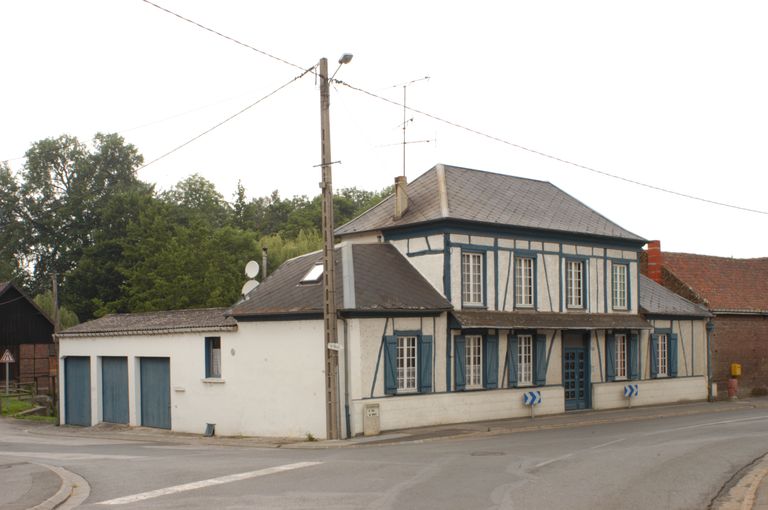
<point x="532" y="398"/>
<point x="631" y="390"/>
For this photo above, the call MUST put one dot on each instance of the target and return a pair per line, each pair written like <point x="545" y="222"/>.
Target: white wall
<point x="272" y="378"/>
<point x="407" y="411"/>
<point x="651" y="392"/>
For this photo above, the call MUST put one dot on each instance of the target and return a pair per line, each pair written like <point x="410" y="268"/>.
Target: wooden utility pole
<point x="55" y="304"/>
<point x="329" y="292"/>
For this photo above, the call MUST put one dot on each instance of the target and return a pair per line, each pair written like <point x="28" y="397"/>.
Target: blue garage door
<point x="77" y="390"/>
<point x="114" y="389"/>
<point x="156" y="393"/>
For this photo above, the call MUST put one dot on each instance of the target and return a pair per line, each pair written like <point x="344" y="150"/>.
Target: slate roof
<point x="379" y="279"/>
<point x="548" y="320"/>
<point x="488" y="198"/>
<point x="658" y="300"/>
<point x="147" y="323"/>
<point x="725" y="284"/>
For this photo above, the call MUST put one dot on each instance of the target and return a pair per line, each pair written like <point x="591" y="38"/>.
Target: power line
<point x="278" y="89"/>
<point x="246" y="45"/>
<point x="549" y="156"/>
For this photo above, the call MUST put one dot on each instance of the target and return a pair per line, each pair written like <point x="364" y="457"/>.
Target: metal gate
<point x="575" y="378"/>
<point x="77" y="390"/>
<point x="155" y="393"/>
<point x="114" y="389"/>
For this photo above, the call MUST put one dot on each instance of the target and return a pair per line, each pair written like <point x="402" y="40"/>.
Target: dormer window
<point x="313" y="275"/>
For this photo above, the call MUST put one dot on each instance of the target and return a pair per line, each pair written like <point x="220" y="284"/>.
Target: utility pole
<point x="55" y="301"/>
<point x="329" y="292"/>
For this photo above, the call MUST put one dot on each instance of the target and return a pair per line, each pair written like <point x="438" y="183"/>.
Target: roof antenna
<point x="406" y="120"/>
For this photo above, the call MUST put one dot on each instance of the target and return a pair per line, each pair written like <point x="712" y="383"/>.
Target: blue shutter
<point x="634" y="356"/>
<point x="491" y="371"/>
<point x="610" y="358"/>
<point x="540" y="360"/>
<point x="460" y="361"/>
<point x="390" y="365"/>
<point x="654" y="355"/>
<point x="672" y="355"/>
<point x="207" y="357"/>
<point x="512" y="359"/>
<point x="425" y="363"/>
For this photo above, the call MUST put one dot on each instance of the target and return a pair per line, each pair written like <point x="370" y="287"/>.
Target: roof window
<point x="314" y="274"/>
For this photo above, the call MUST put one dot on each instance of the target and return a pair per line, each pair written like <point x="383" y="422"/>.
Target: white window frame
<point x="524" y="282"/>
<point x="619" y="286"/>
<point x="525" y="360"/>
<point x="214" y="361"/>
<point x="622" y="353"/>
<point x="575" y="280"/>
<point x="473" y="357"/>
<point x="662" y="356"/>
<point x="472" y="278"/>
<point x="407" y="364"/>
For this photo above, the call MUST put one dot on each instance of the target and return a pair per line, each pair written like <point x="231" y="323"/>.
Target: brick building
<point x="736" y="292"/>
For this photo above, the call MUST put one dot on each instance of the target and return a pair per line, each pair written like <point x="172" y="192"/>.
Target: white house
<point x="456" y="295"/>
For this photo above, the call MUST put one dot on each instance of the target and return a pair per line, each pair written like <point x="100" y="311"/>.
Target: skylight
<point x="313" y="275"/>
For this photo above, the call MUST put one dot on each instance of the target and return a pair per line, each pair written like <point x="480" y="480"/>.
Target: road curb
<point x="742" y="495"/>
<point x="73" y="491"/>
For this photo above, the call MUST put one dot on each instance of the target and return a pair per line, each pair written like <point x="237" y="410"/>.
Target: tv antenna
<point x="406" y="120"/>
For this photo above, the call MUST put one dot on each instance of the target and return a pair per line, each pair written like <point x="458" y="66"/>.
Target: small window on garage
<point x="213" y="357"/>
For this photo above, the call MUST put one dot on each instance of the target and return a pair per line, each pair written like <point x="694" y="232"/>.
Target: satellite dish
<point x="252" y="269"/>
<point x="249" y="286"/>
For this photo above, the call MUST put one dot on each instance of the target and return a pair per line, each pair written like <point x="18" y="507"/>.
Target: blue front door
<point x="114" y="389"/>
<point x="77" y="390"/>
<point x="575" y="380"/>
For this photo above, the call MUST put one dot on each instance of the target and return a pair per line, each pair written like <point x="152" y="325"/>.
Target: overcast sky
<point x="672" y="94"/>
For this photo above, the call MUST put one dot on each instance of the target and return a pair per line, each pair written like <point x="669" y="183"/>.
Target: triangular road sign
<point x="7" y="357"/>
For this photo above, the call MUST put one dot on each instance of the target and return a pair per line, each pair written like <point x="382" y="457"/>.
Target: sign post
<point x="7" y="359"/>
<point x="630" y="391"/>
<point x="532" y="398"/>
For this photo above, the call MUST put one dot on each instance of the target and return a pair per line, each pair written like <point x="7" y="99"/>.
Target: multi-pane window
<point x="524" y="359"/>
<point x="474" y="361"/>
<point x="621" y="356"/>
<point x="213" y="355"/>
<point x="619" y="286"/>
<point x="575" y="283"/>
<point x="663" y="356"/>
<point x="406" y="363"/>
<point x="524" y="281"/>
<point x="472" y="278"/>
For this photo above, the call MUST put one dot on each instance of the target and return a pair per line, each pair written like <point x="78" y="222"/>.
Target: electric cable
<point x="549" y="156"/>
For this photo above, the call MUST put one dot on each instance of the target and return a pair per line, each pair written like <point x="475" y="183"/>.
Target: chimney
<point x="655" y="261"/>
<point x="401" y="196"/>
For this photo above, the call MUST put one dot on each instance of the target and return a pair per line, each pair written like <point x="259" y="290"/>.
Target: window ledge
<point x="213" y="380"/>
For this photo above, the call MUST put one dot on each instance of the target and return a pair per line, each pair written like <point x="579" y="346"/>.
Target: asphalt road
<point x="675" y="462"/>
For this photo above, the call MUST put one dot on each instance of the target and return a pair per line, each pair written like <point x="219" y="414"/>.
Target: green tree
<point x="66" y="317"/>
<point x="11" y="228"/>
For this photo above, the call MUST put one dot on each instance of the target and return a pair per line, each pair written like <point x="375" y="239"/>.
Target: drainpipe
<point x="710" y="329"/>
<point x="346" y="378"/>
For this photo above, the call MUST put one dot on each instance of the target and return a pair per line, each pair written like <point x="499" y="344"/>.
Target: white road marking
<point x="206" y="483"/>
<point x="550" y="461"/>
<point x="606" y="444"/>
<point x="66" y="456"/>
<point x="722" y="422"/>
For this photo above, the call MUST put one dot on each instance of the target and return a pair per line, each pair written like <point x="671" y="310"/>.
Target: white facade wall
<point x="651" y="392"/>
<point x="272" y="378"/>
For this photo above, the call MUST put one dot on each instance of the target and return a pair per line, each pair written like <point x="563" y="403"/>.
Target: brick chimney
<point x="655" y="261"/>
<point x="401" y="196"/>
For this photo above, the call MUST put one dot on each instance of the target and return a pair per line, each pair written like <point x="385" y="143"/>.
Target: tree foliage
<point x="80" y="211"/>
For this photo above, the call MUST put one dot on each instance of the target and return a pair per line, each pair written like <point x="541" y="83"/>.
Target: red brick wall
<point x="740" y="339"/>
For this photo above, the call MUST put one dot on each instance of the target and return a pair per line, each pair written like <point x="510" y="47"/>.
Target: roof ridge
<point x="741" y="259"/>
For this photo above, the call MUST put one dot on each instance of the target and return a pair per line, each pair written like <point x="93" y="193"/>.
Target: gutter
<point x="163" y="331"/>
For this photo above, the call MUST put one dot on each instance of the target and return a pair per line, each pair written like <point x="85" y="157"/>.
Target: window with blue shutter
<point x="425" y="363"/>
<point x="672" y="355"/>
<point x="491" y="369"/>
<point x="610" y="357"/>
<point x="540" y="360"/>
<point x="390" y="365"/>
<point x="459" y="357"/>
<point x="634" y="356"/>
<point x="654" y="355"/>
<point x="512" y="359"/>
